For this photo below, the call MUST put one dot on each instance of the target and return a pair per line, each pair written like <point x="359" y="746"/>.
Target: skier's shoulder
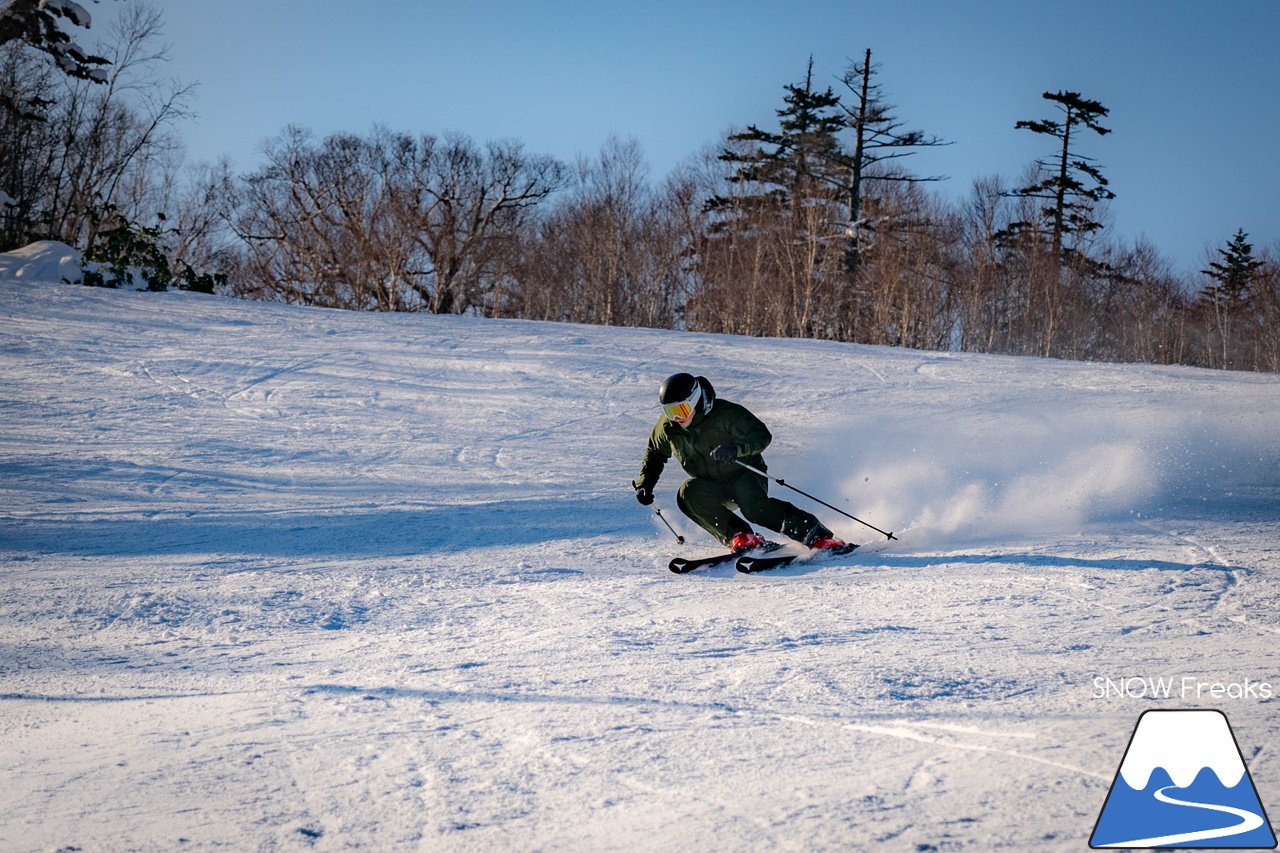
<point x="725" y="407"/>
<point x="732" y="411"/>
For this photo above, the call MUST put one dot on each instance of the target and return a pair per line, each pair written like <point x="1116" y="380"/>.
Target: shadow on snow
<point x="321" y="532"/>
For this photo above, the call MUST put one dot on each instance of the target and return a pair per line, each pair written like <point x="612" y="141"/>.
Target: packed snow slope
<point x="280" y="578"/>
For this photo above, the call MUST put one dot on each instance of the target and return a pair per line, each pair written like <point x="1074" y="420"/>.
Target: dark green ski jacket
<point x="725" y="423"/>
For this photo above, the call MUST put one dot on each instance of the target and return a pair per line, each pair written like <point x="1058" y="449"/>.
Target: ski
<point x="749" y="564"/>
<point x="682" y="565"/>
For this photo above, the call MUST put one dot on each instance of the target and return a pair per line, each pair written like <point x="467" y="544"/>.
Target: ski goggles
<point x="678" y="411"/>
<point x="685" y="408"/>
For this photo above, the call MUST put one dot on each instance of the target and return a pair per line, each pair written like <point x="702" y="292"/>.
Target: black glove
<point x="643" y="494"/>
<point x="725" y="454"/>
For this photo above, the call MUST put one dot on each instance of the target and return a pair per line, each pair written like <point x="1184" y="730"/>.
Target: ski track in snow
<point x="279" y="578"/>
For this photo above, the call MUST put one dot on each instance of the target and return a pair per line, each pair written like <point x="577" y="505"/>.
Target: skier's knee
<point x="694" y="490"/>
<point x="687" y="496"/>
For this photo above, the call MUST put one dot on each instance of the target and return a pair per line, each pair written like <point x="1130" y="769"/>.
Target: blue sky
<point x="1193" y="87"/>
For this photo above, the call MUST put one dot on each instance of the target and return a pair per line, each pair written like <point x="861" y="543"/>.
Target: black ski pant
<point x="711" y="503"/>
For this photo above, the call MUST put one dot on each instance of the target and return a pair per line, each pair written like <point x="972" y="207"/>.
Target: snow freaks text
<point x="1179" y="687"/>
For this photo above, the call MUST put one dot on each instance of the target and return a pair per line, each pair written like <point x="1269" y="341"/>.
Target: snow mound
<point x="44" y="260"/>
<point x="52" y="261"/>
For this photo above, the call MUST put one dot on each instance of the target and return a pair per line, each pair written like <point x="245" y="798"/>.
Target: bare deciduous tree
<point x="609" y="251"/>
<point x="87" y="147"/>
<point x="388" y="222"/>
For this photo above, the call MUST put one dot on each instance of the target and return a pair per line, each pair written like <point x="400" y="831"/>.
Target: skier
<point x="709" y="437"/>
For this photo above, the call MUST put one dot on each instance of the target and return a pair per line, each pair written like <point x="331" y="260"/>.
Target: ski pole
<point x="782" y="482"/>
<point x="659" y="514"/>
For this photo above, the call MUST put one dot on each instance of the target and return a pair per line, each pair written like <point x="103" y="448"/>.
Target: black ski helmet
<point x="681" y="388"/>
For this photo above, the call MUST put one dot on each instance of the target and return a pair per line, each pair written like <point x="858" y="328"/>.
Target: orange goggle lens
<point x="678" y="411"/>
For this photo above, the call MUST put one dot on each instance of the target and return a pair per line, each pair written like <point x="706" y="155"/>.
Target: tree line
<point x="810" y="225"/>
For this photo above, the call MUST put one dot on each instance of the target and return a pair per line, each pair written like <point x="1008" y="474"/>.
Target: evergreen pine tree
<point x="35" y="24"/>
<point x="1234" y="276"/>
<point x="878" y="136"/>
<point x="1073" y="184"/>
<point x="790" y="165"/>
<point x="765" y="247"/>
